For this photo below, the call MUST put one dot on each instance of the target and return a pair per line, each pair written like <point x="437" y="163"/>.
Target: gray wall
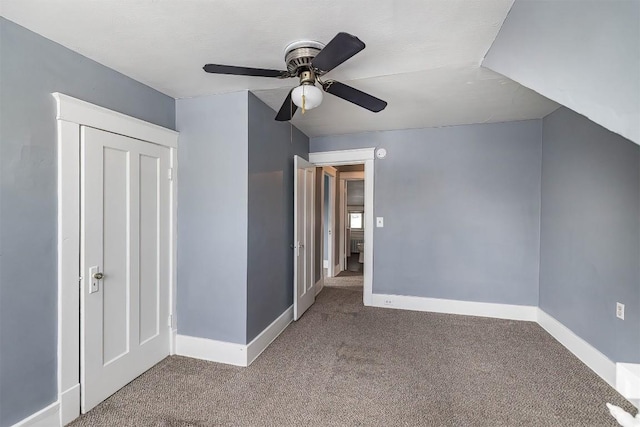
<point x="272" y="146"/>
<point x="212" y="216"/>
<point x="461" y="207"/>
<point x="31" y="68"/>
<point x="590" y="233"/>
<point x="584" y="54"/>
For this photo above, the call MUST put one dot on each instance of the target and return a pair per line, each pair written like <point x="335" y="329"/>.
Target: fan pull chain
<point x="303" y="102"/>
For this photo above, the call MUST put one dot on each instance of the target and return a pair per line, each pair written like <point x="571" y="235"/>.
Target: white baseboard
<point x="172" y="341"/>
<point x="70" y="404"/>
<point x="213" y="350"/>
<point x="468" y="308"/>
<point x="270" y="333"/>
<point x="233" y="353"/>
<point x="46" y="417"/>
<point x="589" y="355"/>
<point x="319" y="286"/>
<point x="628" y="381"/>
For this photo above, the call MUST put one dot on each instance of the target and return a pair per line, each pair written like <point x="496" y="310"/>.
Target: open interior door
<point x="304" y="293"/>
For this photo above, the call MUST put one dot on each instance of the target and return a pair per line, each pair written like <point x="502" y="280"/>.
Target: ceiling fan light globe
<point x="312" y="95"/>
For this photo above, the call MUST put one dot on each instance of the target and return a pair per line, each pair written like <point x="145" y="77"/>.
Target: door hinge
<point x="170" y="322"/>
<point x="170" y="174"/>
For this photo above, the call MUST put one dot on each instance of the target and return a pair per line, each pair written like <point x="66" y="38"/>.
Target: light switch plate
<point x="379" y="221"/>
<point x="620" y="310"/>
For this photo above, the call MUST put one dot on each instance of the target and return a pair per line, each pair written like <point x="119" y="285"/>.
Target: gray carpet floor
<point x="349" y="273"/>
<point x="345" y="364"/>
<point x="346" y="281"/>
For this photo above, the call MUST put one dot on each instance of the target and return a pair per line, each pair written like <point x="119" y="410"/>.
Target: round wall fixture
<point x="381" y="153"/>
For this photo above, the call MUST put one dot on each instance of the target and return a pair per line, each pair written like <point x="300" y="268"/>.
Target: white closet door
<point x="125" y="256"/>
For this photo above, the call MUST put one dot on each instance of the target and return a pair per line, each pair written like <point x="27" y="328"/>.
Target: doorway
<point x="362" y="160"/>
<point x="349" y="228"/>
<point x="103" y="157"/>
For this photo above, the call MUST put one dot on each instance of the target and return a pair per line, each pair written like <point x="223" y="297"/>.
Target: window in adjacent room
<point x="355" y="220"/>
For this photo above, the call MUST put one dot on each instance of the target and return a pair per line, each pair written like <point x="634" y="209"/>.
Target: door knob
<point x="98" y="276"/>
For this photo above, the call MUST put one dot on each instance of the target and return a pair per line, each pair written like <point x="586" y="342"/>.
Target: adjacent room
<point x="216" y="212"/>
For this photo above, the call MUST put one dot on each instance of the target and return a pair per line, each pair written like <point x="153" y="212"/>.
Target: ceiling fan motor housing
<point x="298" y="56"/>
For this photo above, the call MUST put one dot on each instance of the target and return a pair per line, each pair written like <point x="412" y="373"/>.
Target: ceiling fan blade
<point x="342" y="47"/>
<point x="354" y="95"/>
<point x="244" y="71"/>
<point x="287" y="110"/>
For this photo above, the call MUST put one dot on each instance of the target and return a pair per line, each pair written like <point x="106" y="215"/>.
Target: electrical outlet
<point x="388" y="301"/>
<point x="620" y="311"/>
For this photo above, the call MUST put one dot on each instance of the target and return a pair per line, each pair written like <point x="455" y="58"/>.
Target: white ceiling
<point x="422" y="56"/>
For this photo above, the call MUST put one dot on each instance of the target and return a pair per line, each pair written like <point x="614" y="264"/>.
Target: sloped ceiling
<point x="582" y="54"/>
<point x="422" y="56"/>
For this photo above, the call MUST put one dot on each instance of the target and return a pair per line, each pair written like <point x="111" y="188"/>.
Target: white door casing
<point x="71" y="114"/>
<point x="364" y="156"/>
<point x="125" y="255"/>
<point x="303" y="230"/>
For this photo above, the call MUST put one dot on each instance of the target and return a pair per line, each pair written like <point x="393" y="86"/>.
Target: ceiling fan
<point x="309" y="61"/>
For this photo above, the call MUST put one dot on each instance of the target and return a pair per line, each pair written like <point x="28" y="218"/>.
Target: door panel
<point x="149" y="247"/>
<point x="116" y="246"/>
<point x="124" y="237"/>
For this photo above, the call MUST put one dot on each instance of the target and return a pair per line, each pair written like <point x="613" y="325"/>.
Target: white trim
<point x="70" y="404"/>
<point x="333" y="184"/>
<point x="628" y="381"/>
<point x="350" y="157"/>
<point x="352" y="176"/>
<point x="46" y="417"/>
<point x="270" y="333"/>
<point x="233" y="353"/>
<point x="81" y="112"/>
<point x="368" y="231"/>
<point x="342" y="157"/>
<point x="68" y="262"/>
<point x="71" y="114"/>
<point x="212" y="350"/>
<point x="330" y="170"/>
<point x="173" y="241"/>
<point x="467" y="308"/>
<point x="589" y="355"/>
